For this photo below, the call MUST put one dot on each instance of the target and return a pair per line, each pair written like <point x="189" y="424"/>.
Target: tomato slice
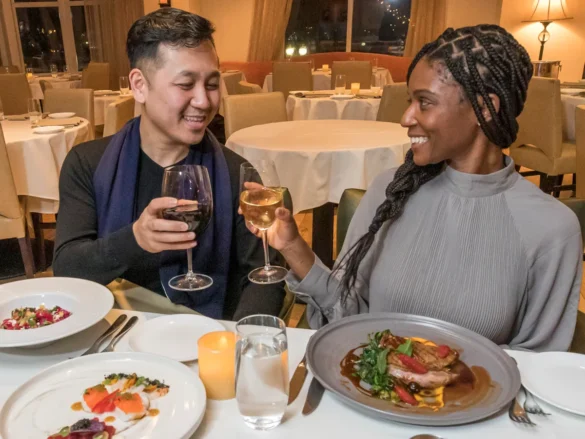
<point x="106" y="404"/>
<point x="443" y="351"/>
<point x="404" y="395"/>
<point x="412" y="363"/>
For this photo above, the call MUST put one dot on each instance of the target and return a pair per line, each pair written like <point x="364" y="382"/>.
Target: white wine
<point x="259" y="206"/>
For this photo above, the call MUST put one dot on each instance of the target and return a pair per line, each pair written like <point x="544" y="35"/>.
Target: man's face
<point x="181" y="95"/>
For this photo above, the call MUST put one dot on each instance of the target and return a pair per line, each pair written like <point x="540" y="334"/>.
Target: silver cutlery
<point x="314" y="396"/>
<point x="518" y="414"/>
<point x="298" y="379"/>
<point x="125" y="329"/>
<point x="107" y="333"/>
<point x="531" y="406"/>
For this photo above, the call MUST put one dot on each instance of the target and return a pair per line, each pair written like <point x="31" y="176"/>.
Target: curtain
<point x="108" y="22"/>
<point x="268" y="28"/>
<point x="427" y="22"/>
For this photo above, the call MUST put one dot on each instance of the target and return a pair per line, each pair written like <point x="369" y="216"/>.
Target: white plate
<point x="48" y="130"/>
<point x="49" y="395"/>
<point x="173" y="336"/>
<point x="87" y="301"/>
<point x="557" y="378"/>
<point x="61" y="115"/>
<point x="342" y="97"/>
<point x="571" y="91"/>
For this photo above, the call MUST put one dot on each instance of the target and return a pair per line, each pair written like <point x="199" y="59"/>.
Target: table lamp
<point x="547" y="11"/>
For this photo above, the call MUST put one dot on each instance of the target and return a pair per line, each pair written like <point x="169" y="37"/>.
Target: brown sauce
<point x="474" y="387"/>
<point x="153" y="412"/>
<point x="76" y="406"/>
<point x="109" y="419"/>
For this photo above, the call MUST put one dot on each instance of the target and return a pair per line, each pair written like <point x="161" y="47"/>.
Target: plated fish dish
<point x="31" y="318"/>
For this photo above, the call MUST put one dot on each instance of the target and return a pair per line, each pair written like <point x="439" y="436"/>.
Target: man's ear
<point x="138" y="84"/>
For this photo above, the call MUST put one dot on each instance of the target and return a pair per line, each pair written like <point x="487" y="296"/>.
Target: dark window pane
<point x="41" y="39"/>
<point x="318" y="25"/>
<point x="380" y="26"/>
<point x="80" y="34"/>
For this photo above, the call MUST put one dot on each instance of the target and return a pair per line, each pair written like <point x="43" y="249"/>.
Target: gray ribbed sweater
<point x="491" y="253"/>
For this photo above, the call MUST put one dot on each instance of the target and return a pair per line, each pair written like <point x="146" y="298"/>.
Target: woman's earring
<point x="478" y="124"/>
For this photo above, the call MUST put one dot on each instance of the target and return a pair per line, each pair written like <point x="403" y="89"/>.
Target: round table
<point x="322" y="80"/>
<point x="35" y="86"/>
<point x="570" y="104"/>
<point x="320" y="108"/>
<point x="318" y="160"/>
<point x="100" y="106"/>
<point x="36" y="159"/>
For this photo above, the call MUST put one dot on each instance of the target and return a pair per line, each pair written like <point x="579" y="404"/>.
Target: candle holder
<point x="355" y="88"/>
<point x="325" y="67"/>
<point x="217" y="360"/>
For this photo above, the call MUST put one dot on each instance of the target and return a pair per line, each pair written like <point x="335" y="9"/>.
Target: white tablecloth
<point x="36" y="159"/>
<point x="570" y="103"/>
<point x="332" y="419"/>
<point x="100" y="105"/>
<point x="35" y="86"/>
<point x="322" y="80"/>
<point x="327" y="108"/>
<point x="318" y="160"/>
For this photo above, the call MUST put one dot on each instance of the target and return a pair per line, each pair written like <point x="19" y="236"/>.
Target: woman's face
<point x="440" y="120"/>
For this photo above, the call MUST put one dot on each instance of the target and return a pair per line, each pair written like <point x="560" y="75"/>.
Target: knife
<point x="94" y="348"/>
<point x="314" y="396"/>
<point x="297" y="381"/>
<point x="119" y="335"/>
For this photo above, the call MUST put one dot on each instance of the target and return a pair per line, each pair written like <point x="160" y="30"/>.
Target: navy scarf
<point x="114" y="185"/>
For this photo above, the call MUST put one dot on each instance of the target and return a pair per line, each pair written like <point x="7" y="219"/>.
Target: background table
<point x="570" y="104"/>
<point x="331" y="419"/>
<point x="317" y="108"/>
<point x="36" y="159"/>
<point x="318" y="160"/>
<point x="322" y="80"/>
<point x="100" y="106"/>
<point x="37" y="92"/>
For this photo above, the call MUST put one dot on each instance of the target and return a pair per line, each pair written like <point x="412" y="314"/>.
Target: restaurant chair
<point x="580" y="146"/>
<point x="231" y="83"/>
<point x="243" y="111"/>
<point x="394" y="103"/>
<point x="45" y="85"/>
<point x="117" y="115"/>
<point x="96" y="76"/>
<point x="354" y="71"/>
<point x="578" y="344"/>
<point x="540" y="145"/>
<point x="287" y="76"/>
<point x="76" y="100"/>
<point x="245" y="88"/>
<point x="12" y="212"/>
<point x="14" y="93"/>
<point x="9" y="69"/>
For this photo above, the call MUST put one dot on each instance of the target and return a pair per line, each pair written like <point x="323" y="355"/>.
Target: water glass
<point x="262" y="382"/>
<point x="340" y="83"/>
<point x="34" y="111"/>
<point x="54" y="70"/>
<point x="124" y="85"/>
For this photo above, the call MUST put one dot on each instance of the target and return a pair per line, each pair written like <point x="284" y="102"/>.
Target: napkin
<point x="70" y="122"/>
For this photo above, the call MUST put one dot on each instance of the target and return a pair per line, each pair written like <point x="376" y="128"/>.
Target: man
<point x="109" y="222"/>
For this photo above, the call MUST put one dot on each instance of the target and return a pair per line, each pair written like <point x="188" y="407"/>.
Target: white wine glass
<point x="54" y="70"/>
<point x="124" y="85"/>
<point x="191" y="186"/>
<point x="259" y="202"/>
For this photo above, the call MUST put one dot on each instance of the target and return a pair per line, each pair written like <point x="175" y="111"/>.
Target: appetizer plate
<point x="557" y="378"/>
<point x="173" y="336"/>
<point x="332" y="343"/>
<point x="65" y="115"/>
<point x="88" y="303"/>
<point x="43" y="405"/>
<point x="48" y="130"/>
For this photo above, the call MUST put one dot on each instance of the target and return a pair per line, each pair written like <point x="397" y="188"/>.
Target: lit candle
<point x="325" y="67"/>
<point x="217" y="360"/>
<point x="355" y="88"/>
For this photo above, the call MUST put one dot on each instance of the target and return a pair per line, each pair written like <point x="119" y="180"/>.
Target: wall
<point x="567" y="40"/>
<point x="462" y="13"/>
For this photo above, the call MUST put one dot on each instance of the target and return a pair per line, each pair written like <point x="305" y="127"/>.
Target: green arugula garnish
<point x="373" y="365"/>
<point x="405" y="348"/>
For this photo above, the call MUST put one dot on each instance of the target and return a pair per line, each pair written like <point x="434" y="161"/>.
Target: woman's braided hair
<point x="482" y="60"/>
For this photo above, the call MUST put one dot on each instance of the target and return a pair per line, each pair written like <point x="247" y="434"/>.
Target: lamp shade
<point x="548" y="10"/>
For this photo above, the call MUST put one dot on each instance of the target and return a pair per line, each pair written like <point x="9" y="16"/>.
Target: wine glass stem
<point x="190" y="273"/>
<point x="265" y="244"/>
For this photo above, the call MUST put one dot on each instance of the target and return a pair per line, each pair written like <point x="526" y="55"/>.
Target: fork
<point x="531" y="406"/>
<point x="518" y="414"/>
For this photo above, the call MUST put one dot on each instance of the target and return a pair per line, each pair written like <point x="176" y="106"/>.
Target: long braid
<point x="482" y="60"/>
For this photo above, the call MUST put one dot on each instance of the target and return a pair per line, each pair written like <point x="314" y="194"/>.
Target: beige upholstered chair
<point x="12" y="216"/>
<point x="246" y="88"/>
<point x="394" y="103"/>
<point x="354" y="71"/>
<point x="45" y="85"/>
<point x="252" y="109"/>
<point x="540" y="144"/>
<point x="117" y="115"/>
<point x="9" y="69"/>
<point x="96" y="76"/>
<point x="231" y="83"/>
<point x="14" y="92"/>
<point x="287" y="76"/>
<point x="580" y="145"/>
<point x="77" y="100"/>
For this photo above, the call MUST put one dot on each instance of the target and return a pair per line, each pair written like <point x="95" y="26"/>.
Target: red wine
<point x="196" y="215"/>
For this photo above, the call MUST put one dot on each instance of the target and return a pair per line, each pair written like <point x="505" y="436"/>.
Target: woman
<point x="454" y="233"/>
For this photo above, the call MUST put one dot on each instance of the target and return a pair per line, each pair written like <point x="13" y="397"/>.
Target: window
<point x="377" y="26"/>
<point x="81" y="38"/>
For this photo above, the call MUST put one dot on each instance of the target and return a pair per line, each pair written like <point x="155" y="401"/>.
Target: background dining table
<point x="100" y="106"/>
<point x="318" y="159"/>
<point x="59" y="82"/>
<point x="570" y="104"/>
<point x="315" y="107"/>
<point x="332" y="418"/>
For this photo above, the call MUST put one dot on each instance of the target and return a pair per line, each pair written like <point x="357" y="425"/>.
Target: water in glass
<point x="34" y="111"/>
<point x="340" y="83"/>
<point x="124" y="85"/>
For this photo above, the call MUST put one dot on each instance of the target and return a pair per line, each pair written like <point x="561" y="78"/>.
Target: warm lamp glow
<point x="548" y="11"/>
<point x="302" y="50"/>
<point x="290" y="51"/>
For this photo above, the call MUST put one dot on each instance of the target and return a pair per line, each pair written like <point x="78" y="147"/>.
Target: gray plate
<point x="331" y="343"/>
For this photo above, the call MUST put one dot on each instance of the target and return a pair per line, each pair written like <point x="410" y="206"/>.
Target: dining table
<point x="332" y="418"/>
<point x="570" y="104"/>
<point x="318" y="159"/>
<point x="101" y="103"/>
<point x="58" y="82"/>
<point x="322" y="79"/>
<point x="316" y="106"/>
